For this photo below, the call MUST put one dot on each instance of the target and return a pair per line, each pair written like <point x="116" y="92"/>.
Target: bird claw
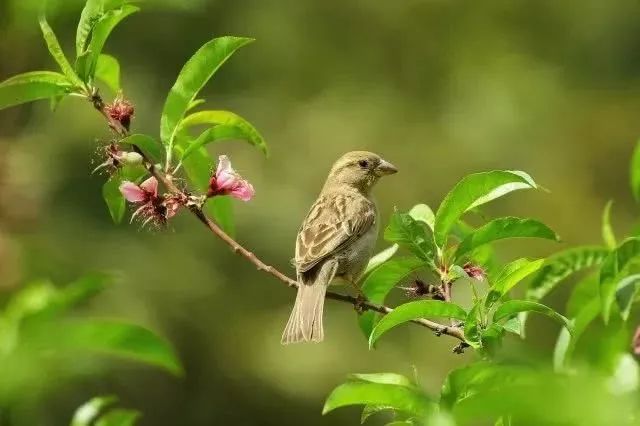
<point x="460" y="347"/>
<point x="360" y="304"/>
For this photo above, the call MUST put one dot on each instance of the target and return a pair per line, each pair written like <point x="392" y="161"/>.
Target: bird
<point x="335" y="240"/>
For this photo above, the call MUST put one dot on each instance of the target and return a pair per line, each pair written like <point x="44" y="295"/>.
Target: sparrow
<point x="336" y="239"/>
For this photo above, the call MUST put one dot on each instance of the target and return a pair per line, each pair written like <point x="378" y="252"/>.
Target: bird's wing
<point x="334" y="221"/>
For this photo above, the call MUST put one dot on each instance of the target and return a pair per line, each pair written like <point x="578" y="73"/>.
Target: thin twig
<point x="196" y="210"/>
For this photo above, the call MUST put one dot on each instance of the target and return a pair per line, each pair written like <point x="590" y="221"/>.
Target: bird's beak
<point x="385" y="168"/>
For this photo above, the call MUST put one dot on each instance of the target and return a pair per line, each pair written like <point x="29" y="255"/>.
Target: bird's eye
<point x="363" y="163"/>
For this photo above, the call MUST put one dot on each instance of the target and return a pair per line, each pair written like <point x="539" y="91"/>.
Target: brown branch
<point x="118" y="128"/>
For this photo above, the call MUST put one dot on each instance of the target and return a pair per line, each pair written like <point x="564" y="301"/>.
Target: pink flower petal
<point x="224" y="165"/>
<point x="132" y="192"/>
<point x="243" y="190"/>
<point x="227" y="181"/>
<point x="172" y="207"/>
<point x="150" y="186"/>
<point x="226" y="177"/>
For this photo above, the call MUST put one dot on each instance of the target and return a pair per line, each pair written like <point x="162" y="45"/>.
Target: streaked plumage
<point x="335" y="239"/>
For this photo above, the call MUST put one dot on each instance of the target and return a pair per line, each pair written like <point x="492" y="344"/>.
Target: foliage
<point x="439" y="252"/>
<point x="38" y="334"/>
<point x="98" y="19"/>
<point x="510" y="392"/>
<point x="97" y="411"/>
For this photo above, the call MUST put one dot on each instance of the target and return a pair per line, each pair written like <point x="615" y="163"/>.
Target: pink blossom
<point x="474" y="271"/>
<point x="121" y="110"/>
<point x="227" y="181"/>
<point x="152" y="208"/>
<point x="144" y="192"/>
<point x="172" y="204"/>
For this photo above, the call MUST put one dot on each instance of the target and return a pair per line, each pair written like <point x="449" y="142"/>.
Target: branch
<point x="196" y="210"/>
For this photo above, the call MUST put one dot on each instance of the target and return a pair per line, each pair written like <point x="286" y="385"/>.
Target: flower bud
<point x="131" y="158"/>
<point x="474" y="271"/>
<point x="120" y="110"/>
<point x="226" y="181"/>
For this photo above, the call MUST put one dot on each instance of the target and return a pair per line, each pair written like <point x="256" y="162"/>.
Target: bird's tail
<point x="305" y="322"/>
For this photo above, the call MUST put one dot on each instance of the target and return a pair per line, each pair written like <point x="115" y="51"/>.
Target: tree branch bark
<point x="236" y="247"/>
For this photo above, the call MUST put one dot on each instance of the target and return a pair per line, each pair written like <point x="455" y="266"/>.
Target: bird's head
<point x="359" y="169"/>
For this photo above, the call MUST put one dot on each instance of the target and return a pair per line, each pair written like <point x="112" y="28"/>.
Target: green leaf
<point x="414" y="310"/>
<point x="423" y="213"/>
<point x="193" y="104"/>
<point x="43" y="298"/>
<point x="79" y="291"/>
<point x="214" y="134"/>
<point x="120" y="339"/>
<point x="612" y="271"/>
<point x="608" y="235"/>
<point x="513" y="326"/>
<point x="380" y="258"/>
<point x="491" y="339"/>
<point x="57" y="53"/>
<point x="529" y="396"/>
<point x="472" y="331"/>
<point x="199" y="167"/>
<point x="108" y="71"/>
<point x="370" y="410"/>
<point x="503" y="421"/>
<point x="562" y="264"/>
<point x="470" y="379"/>
<point x="119" y="417"/>
<point x="626" y="374"/>
<point x="114" y="199"/>
<point x="111" y="188"/>
<point x="585" y="291"/>
<point x="512" y="307"/>
<point x="147" y="144"/>
<point x="245" y="130"/>
<point x="408" y="232"/>
<point x="221" y="208"/>
<point x="455" y="273"/>
<point x="511" y="275"/>
<point x="88" y="17"/>
<point x="402" y="398"/>
<point x="100" y="33"/>
<point x="626" y="294"/>
<point x="567" y="341"/>
<point x="192" y="78"/>
<point x="437" y="418"/>
<point x="379" y="283"/>
<point x="31" y="300"/>
<point x="40" y="302"/>
<point x="382" y="378"/>
<point x="87" y="412"/>
<point x="505" y="227"/>
<point x="472" y="191"/>
<point x="113" y="4"/>
<point x="635" y="172"/>
<point x="32" y="86"/>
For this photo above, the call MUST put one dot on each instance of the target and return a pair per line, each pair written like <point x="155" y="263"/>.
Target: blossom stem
<point x="177" y="167"/>
<point x="196" y="210"/>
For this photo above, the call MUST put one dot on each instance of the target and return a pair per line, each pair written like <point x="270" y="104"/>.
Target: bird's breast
<point x="355" y="257"/>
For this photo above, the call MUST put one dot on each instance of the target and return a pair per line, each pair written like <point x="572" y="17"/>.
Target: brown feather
<point x="335" y="239"/>
<point x="334" y="221"/>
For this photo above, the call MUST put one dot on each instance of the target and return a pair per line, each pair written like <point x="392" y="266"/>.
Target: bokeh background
<point x="441" y="88"/>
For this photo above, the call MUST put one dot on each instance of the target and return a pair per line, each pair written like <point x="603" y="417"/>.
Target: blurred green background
<point x="441" y="88"/>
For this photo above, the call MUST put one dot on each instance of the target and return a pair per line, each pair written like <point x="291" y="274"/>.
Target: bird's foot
<point x="460" y="347"/>
<point x="360" y="304"/>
